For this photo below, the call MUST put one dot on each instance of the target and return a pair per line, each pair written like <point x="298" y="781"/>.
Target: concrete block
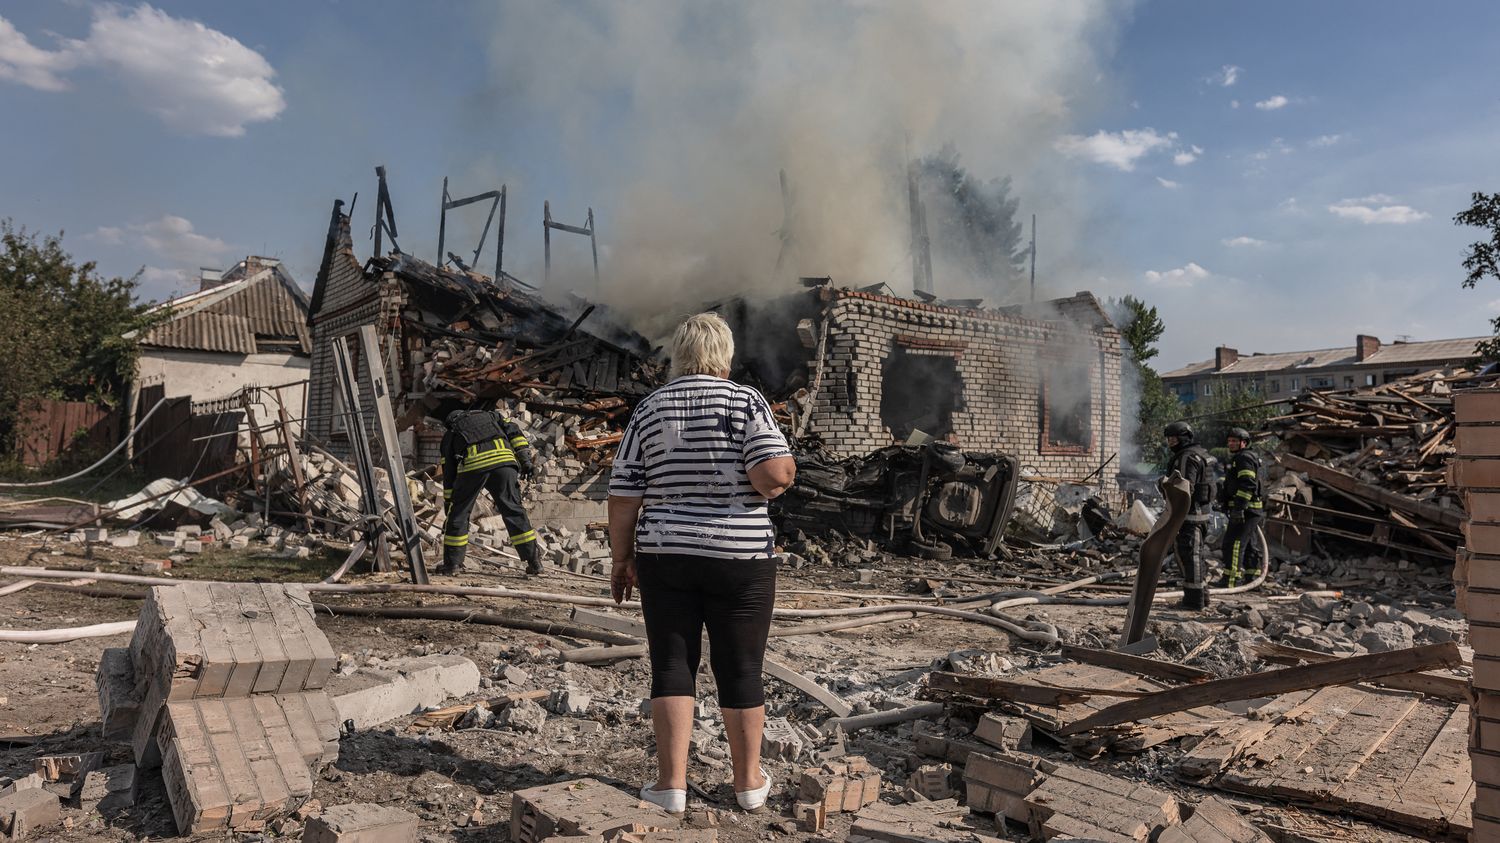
<point x="129" y="538"/>
<point x="108" y="791"/>
<point x="119" y="704"/>
<point x="96" y="534"/>
<point x="191" y="546"/>
<point x="24" y="812"/>
<point x="361" y="823"/>
<point x="581" y="807"/>
<point x="371" y="696"/>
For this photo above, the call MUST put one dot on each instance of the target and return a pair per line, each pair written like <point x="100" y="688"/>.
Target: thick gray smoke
<point x="678" y="114"/>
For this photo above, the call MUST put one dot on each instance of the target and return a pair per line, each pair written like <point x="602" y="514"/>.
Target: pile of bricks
<point x="1476" y="573"/>
<point x="583" y="808"/>
<point x="221" y="688"/>
<point x="1061" y="800"/>
<point x="838" y="786"/>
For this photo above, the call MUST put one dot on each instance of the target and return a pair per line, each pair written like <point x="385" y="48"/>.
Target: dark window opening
<point x="920" y="392"/>
<point x="1068" y="409"/>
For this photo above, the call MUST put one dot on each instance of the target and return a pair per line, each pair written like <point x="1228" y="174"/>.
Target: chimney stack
<point x="1224" y="357"/>
<point x="1365" y="347"/>
<point x="209" y="278"/>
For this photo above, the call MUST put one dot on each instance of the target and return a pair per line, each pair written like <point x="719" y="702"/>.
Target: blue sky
<point x="1271" y="176"/>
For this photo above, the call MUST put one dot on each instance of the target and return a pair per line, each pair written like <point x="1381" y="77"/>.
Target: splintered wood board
<point x="1390" y="756"/>
<point x="1130" y="737"/>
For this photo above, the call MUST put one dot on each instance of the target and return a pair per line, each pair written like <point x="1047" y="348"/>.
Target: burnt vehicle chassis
<point x="933" y="500"/>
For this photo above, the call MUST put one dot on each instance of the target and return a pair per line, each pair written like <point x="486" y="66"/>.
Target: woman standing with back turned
<point x="688" y="524"/>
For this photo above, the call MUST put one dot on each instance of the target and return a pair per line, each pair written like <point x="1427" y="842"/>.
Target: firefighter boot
<point x="1195" y="598"/>
<point x="453" y="561"/>
<point x="532" y="556"/>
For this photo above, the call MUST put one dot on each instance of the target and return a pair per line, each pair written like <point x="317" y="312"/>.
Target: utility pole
<point x="1033" y="258"/>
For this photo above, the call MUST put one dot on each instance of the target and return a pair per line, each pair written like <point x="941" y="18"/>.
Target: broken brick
<point x="361" y="823"/>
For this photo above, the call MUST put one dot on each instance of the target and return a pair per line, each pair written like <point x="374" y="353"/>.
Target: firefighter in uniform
<point x="1241" y="499"/>
<point x="1192" y="461"/>
<point x="484" y="450"/>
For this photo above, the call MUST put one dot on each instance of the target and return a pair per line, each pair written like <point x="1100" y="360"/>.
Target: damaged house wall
<point x="1041" y="383"/>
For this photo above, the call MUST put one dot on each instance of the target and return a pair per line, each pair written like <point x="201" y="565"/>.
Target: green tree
<point x="1140" y="328"/>
<point x="1213" y="416"/>
<point x="65" y="327"/>
<point x="1483" y="257"/>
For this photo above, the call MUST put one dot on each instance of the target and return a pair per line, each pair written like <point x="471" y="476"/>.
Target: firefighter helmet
<point x="1239" y="433"/>
<point x="1179" y="429"/>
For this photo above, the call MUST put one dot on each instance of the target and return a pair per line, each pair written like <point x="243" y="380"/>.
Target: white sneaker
<point x="754" y="800"/>
<point x="673" y="801"/>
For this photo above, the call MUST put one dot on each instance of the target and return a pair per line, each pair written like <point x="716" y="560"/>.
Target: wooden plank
<point x="1379" y="785"/>
<point x="1136" y="664"/>
<point x="1337" y="754"/>
<point x="1343" y="671"/>
<point x="1212" y="754"/>
<point x="1006" y="690"/>
<point x="1256" y="768"/>
<point x="390" y="448"/>
<point x="1334" y="478"/>
<point x="1432" y="684"/>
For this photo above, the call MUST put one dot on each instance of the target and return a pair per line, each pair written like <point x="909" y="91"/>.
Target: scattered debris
<point x="361" y="824"/>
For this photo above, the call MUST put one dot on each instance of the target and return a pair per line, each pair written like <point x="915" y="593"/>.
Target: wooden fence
<point x="49" y="430"/>
<point x="173" y="444"/>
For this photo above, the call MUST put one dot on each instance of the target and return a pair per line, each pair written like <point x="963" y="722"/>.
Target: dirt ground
<point x="459" y="783"/>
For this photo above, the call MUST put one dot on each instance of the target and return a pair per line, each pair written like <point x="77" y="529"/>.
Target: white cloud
<point x="1494" y="305"/>
<point x="29" y="65"/>
<point x="1228" y="76"/>
<point x="1377" y="209"/>
<point x="171" y="237"/>
<point x="1324" y="141"/>
<point x="1243" y="242"/>
<point x="1120" y="150"/>
<point x="1234" y="103"/>
<point x="1168" y="183"/>
<point x="1183" y="276"/>
<point x="1273" y="103"/>
<point x="197" y="80"/>
<point x="1187" y="156"/>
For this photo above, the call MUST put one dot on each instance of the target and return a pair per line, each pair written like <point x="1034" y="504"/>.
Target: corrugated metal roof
<point x="238" y="317"/>
<point x="1425" y="352"/>
<point x="1396" y="354"/>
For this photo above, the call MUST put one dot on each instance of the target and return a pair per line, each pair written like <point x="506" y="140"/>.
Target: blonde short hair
<point x="702" y="345"/>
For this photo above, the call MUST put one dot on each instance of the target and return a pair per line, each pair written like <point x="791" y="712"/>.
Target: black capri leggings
<point x="680" y="595"/>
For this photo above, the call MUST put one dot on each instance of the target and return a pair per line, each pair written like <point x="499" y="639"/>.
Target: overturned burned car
<point x="933" y="500"/>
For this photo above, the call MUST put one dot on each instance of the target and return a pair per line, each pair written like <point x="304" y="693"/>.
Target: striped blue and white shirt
<point x="688" y="451"/>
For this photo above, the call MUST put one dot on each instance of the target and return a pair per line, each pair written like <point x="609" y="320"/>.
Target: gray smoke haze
<point x="677" y="116"/>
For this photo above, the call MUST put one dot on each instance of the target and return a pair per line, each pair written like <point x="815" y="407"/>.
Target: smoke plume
<point x="674" y="117"/>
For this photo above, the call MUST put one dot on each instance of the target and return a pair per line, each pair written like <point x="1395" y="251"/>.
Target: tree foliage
<point x="1141" y="327"/>
<point x="1482" y="259"/>
<point x="65" y="326"/>
<point x="971" y="222"/>
<point x="1212" y="416"/>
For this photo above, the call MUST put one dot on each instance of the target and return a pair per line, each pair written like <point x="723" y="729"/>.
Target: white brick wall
<point x="1002" y="367"/>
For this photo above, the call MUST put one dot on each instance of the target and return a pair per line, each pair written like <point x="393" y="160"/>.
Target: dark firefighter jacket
<point x="1193" y="462"/>
<point x="484" y="439"/>
<point x="1242" y="483"/>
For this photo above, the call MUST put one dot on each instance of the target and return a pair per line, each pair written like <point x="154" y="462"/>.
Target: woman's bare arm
<point x="774" y="476"/>
<point x="623" y="513"/>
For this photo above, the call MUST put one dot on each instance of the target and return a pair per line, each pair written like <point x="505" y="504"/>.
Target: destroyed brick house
<point x="863" y="369"/>
<point x="452" y="338"/>
<point x="848" y="372"/>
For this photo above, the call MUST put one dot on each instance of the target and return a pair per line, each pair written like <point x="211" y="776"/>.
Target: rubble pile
<point x="1367" y="467"/>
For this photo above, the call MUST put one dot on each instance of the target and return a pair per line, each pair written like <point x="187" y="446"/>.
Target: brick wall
<point x="1003" y="359"/>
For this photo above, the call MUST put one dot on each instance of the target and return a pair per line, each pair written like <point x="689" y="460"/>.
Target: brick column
<point x="1476" y="574"/>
